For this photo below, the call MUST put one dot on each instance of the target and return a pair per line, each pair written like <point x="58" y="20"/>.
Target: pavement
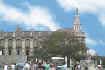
<point x="92" y="67"/>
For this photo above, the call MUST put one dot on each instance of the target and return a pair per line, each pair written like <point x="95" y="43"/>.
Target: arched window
<point x="18" y="46"/>
<point x="27" y="45"/>
<point x="18" y="43"/>
<point x="2" y="46"/>
<point x="1" y="42"/>
<point x="10" y="46"/>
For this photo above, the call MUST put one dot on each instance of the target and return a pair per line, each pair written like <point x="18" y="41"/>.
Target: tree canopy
<point x="62" y="43"/>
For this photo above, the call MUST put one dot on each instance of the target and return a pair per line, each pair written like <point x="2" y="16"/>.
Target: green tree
<point x="41" y="53"/>
<point x="65" y="44"/>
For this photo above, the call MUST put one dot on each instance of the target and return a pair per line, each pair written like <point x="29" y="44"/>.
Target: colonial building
<point x="22" y="43"/>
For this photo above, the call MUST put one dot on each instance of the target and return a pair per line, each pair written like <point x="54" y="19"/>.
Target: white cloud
<point x="102" y="19"/>
<point x="90" y="6"/>
<point x="36" y="16"/>
<point x="91" y="42"/>
<point x="91" y="52"/>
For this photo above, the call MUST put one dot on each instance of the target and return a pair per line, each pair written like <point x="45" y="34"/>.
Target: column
<point x="6" y="46"/>
<point x="14" y="47"/>
<point x="31" y="47"/>
<point x="23" y="46"/>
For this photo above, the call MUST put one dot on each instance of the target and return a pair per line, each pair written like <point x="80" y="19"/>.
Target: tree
<point x="64" y="43"/>
<point x="41" y="53"/>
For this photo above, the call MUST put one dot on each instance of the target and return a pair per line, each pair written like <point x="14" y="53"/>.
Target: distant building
<point x="22" y="43"/>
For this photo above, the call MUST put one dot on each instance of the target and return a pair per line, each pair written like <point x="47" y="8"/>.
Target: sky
<point x="56" y="14"/>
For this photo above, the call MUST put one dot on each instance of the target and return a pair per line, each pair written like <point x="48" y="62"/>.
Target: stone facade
<point x="22" y="43"/>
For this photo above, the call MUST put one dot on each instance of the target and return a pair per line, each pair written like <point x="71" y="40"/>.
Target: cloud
<point x="91" y="42"/>
<point x="83" y="5"/>
<point x="36" y="16"/>
<point x="86" y="6"/>
<point x="91" y="52"/>
<point x="102" y="19"/>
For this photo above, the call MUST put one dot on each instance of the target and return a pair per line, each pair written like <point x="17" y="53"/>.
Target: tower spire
<point x="76" y="22"/>
<point x="77" y="12"/>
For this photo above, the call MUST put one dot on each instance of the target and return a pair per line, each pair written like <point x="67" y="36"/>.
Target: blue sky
<point x="55" y="14"/>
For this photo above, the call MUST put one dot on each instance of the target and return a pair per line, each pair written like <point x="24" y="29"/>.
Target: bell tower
<point x="76" y="23"/>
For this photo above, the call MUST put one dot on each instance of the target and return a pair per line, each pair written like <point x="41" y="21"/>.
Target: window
<point x="18" y="50"/>
<point x="1" y="43"/>
<point x="27" y="50"/>
<point x="18" y="46"/>
<point x="27" y="43"/>
<point x="10" y="44"/>
<point x="18" y="43"/>
<point x="3" y="51"/>
<point x="2" y="46"/>
<point x="9" y="51"/>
